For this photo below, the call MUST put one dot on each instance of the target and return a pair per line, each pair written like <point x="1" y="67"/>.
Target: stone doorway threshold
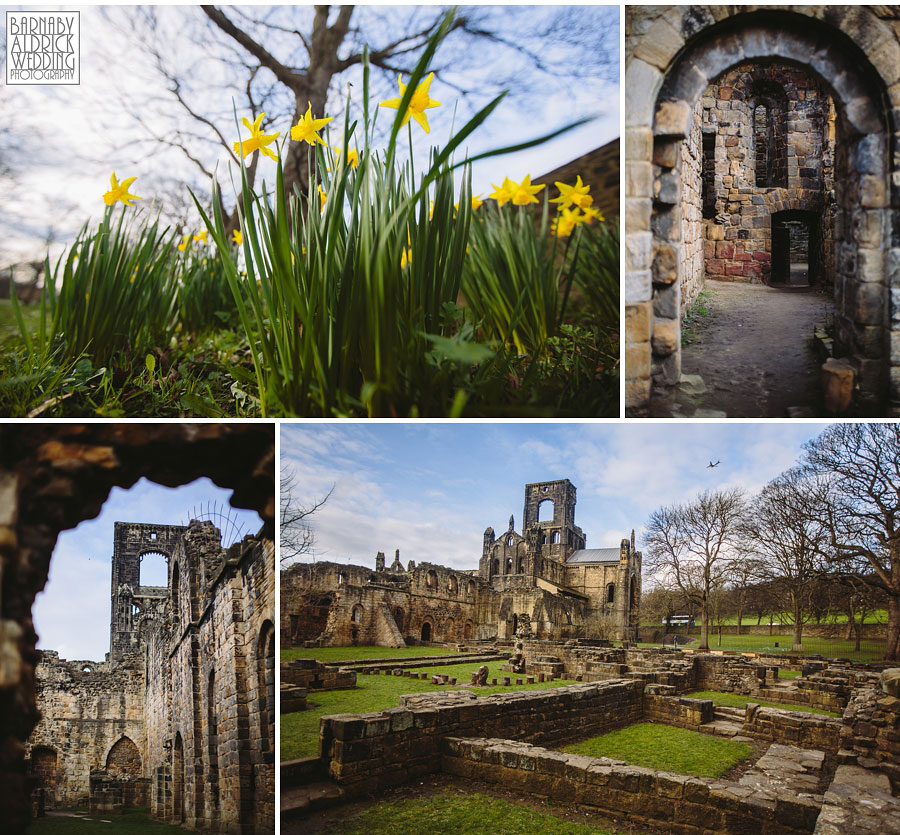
<point x="750" y="356"/>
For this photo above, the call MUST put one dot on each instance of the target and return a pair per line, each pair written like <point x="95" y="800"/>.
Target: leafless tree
<point x="744" y="573"/>
<point x="856" y="467"/>
<point x="694" y="546"/>
<point x="790" y="542"/>
<point x="297" y="537"/>
<point x="281" y="59"/>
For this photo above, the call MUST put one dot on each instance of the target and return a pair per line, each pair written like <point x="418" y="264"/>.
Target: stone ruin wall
<point x="693" y="246"/>
<point x="211" y="690"/>
<point x="86" y="708"/>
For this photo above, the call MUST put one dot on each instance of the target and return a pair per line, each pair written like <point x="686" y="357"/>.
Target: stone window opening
<point x="509" y="565"/>
<point x="555" y="538"/>
<point x="495" y="568"/>
<point x="520" y="566"/>
<point x="452" y="585"/>
<point x="154" y="569"/>
<point x="431" y="580"/>
<point x="176" y="589"/>
<point x="708" y="174"/>
<point x="510" y="540"/>
<point x="357" y="614"/>
<point x="611" y="593"/>
<point x="265" y="682"/>
<point x="342" y="578"/>
<point x="470" y="589"/>
<point x="546" y="510"/>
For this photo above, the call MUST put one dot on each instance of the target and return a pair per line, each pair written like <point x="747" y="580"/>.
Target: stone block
<point x="838" y="376"/>
<point x="638" y="179"/>
<point x="636" y="287"/>
<point x="666" y="336"/>
<point x="673" y="118"/>
<point x="638" y="143"/>
<point x="639" y="75"/>
<point x="637" y="329"/>
<point x="665" y="264"/>
<point x="638" y="250"/>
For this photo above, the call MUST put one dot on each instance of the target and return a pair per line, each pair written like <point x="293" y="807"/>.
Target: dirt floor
<point x="753" y="351"/>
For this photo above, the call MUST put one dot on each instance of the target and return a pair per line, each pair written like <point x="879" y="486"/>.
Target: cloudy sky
<point x="431" y="489"/>
<point x="64" y="141"/>
<point x="72" y="614"/>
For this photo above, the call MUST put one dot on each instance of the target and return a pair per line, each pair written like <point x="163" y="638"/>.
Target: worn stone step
<point x="722" y="727"/>
<point x="299" y="800"/>
<point x="730" y="714"/>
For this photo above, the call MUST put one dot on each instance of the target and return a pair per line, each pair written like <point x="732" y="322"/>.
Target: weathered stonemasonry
<point x="542" y="583"/>
<point x="92" y="719"/>
<point x="799" y="120"/>
<point x="54" y="476"/>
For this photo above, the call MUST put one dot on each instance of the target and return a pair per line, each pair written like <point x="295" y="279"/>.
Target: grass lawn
<point x="735" y="700"/>
<point x="451" y="814"/>
<point x="329" y="654"/>
<point x="300" y="731"/>
<point x="132" y="821"/>
<point x="789" y="674"/>
<point x="828" y="647"/>
<point x="666" y="749"/>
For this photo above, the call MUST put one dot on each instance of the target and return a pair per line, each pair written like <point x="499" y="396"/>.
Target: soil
<point x="753" y="352"/>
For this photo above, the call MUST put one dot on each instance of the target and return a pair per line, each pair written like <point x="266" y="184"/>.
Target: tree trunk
<point x="704" y="628"/>
<point x="891" y="648"/>
<point x="798" y="624"/>
<point x="857" y="628"/>
<point x="720" y="635"/>
<point x="740" y="615"/>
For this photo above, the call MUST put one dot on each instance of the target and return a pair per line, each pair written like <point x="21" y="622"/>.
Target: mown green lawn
<point x="330" y="654"/>
<point x="300" y="731"/>
<point x="455" y="813"/>
<point x="827" y="647"/>
<point x="132" y="822"/>
<point x="666" y="749"/>
<point x="736" y="700"/>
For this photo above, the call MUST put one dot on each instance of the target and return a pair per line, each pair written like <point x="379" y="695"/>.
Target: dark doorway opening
<point x="426" y="631"/>
<point x="796" y="256"/>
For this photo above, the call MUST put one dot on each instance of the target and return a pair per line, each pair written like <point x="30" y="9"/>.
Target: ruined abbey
<point x="180" y="716"/>
<point x="539" y="583"/>
<point x="761" y="146"/>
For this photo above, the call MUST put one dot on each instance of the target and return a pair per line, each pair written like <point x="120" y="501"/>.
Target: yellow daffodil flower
<point x="523" y="194"/>
<point x="576" y="195"/>
<point x="133" y="276"/>
<point x="352" y="155"/>
<point x="200" y="237"/>
<point x="476" y="203"/>
<point x="503" y="194"/>
<point x="257" y="141"/>
<point x="322" y="197"/>
<point x="184" y="243"/>
<point x="119" y="191"/>
<point x="405" y="258"/>
<point x="238" y="237"/>
<point x="591" y="214"/>
<point x="418" y="104"/>
<point x="305" y="129"/>
<point x="565" y="222"/>
<point x="431" y="210"/>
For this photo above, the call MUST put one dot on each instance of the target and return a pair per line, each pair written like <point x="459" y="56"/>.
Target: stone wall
<point x="211" y="688"/>
<point x="90" y="713"/>
<point x="804" y="730"/>
<point x="870" y="736"/>
<point x="675" y="804"/>
<point x="691" y="268"/>
<point x="372" y="751"/>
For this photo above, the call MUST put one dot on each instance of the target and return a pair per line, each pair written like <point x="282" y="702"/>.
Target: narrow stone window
<point x="611" y="593"/>
<point x="709" y="174"/>
<point x="357" y="614"/>
<point x="763" y="140"/>
<point x="212" y="729"/>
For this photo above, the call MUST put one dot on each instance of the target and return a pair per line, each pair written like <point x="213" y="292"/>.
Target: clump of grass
<point x="450" y="813"/>
<point x="666" y="749"/>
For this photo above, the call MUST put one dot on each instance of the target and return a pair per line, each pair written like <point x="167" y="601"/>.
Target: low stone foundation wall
<point x="372" y="751"/>
<point x="315" y="676"/>
<point x="870" y="736"/>
<point x="112" y="794"/>
<point x="681" y="712"/>
<point x="804" y="730"/>
<point x="677" y="805"/>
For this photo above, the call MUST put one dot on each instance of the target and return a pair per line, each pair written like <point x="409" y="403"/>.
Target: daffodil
<point x="133" y="276"/>
<point x="418" y="104"/>
<point x="476" y="203"/>
<point x="238" y="237"/>
<point x="119" y="191"/>
<point x="576" y="195"/>
<point x="565" y="222"/>
<point x="200" y="237"/>
<point x="305" y="129"/>
<point x="184" y="243"/>
<point x="323" y="197"/>
<point x="591" y="214"/>
<point x="352" y="156"/>
<point x="257" y="141"/>
<point x="405" y="258"/>
<point x="523" y="194"/>
<point x="503" y="194"/>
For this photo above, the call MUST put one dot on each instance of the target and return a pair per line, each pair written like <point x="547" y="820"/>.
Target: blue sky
<point x="431" y="489"/>
<point x="72" y="614"/>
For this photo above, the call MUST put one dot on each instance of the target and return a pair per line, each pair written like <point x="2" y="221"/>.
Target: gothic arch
<point x="855" y="55"/>
<point x="123" y="757"/>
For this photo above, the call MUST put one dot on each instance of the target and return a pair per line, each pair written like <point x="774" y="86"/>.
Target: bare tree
<point x="790" y="541"/>
<point x="297" y="537"/>
<point x="744" y="573"/>
<point x="694" y="546"/>
<point x="856" y="470"/>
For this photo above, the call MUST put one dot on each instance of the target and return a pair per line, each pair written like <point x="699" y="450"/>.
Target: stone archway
<point x="672" y="56"/>
<point x="54" y="476"/>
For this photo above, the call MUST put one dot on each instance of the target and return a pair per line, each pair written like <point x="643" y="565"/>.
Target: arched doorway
<point x="426" y="631"/>
<point x="124" y="759"/>
<point x="670" y="65"/>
